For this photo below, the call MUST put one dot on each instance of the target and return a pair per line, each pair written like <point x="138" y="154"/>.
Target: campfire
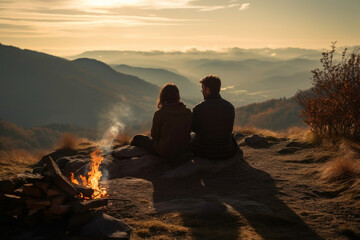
<point x="93" y="177"/>
<point x="50" y="196"/>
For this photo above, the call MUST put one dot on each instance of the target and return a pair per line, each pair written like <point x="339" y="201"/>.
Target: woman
<point x="170" y="131"/>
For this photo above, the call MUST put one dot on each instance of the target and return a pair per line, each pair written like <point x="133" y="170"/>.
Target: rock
<point x="128" y="151"/>
<point x="134" y="167"/>
<point x="255" y="141"/>
<point x="191" y="206"/>
<point x="103" y="226"/>
<point x="288" y="150"/>
<point x="239" y="136"/>
<point x="298" y="144"/>
<point x="249" y="206"/>
<point x="74" y="164"/>
<point x="201" y="164"/>
<point x="187" y="169"/>
<point x="273" y="140"/>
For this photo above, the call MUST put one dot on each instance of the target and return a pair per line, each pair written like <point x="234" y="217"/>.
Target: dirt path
<point x="267" y="196"/>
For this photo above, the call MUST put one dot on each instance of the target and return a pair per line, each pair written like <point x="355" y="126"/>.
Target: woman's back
<point x="171" y="130"/>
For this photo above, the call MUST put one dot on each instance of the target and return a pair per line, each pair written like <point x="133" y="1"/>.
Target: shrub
<point x="332" y="107"/>
<point x="68" y="141"/>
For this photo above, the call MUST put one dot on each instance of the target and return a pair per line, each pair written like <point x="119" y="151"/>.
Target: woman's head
<point x="169" y="93"/>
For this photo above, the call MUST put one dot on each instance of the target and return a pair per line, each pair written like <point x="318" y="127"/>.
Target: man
<point x="213" y="121"/>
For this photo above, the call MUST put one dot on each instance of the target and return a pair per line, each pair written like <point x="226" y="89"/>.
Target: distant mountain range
<point x="248" y="75"/>
<point x="160" y="76"/>
<point x="38" y="89"/>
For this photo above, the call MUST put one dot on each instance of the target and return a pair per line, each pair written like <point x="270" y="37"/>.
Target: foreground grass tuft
<point x="341" y="169"/>
<point x="68" y="141"/>
<point x="148" y="229"/>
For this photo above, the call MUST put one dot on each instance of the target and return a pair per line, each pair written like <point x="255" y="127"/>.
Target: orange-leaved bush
<point x="332" y="107"/>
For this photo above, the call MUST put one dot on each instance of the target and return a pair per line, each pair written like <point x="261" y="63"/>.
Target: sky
<point x="69" y="27"/>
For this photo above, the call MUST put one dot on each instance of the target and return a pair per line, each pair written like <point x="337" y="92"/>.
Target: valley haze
<point x="89" y="86"/>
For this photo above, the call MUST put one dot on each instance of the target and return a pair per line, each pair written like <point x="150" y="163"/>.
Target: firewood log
<point x="86" y="191"/>
<point x="59" y="209"/>
<point x="43" y="185"/>
<point x="58" y="200"/>
<point x="36" y="203"/>
<point x="80" y="207"/>
<point x="30" y="189"/>
<point x="53" y="192"/>
<point x="60" y="180"/>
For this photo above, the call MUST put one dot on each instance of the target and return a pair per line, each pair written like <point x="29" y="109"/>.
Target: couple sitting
<point x="211" y="122"/>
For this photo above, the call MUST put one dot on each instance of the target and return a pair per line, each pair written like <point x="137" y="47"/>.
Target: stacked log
<point x="33" y="198"/>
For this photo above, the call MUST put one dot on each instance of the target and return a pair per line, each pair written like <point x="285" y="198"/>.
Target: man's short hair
<point x="212" y="82"/>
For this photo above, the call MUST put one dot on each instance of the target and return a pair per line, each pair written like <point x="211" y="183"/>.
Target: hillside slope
<point x="38" y="89"/>
<point x="274" y="114"/>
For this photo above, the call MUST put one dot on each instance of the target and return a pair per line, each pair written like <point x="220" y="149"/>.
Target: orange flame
<point x="93" y="176"/>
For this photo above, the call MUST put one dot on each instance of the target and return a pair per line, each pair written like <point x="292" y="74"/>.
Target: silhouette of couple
<point x="211" y="122"/>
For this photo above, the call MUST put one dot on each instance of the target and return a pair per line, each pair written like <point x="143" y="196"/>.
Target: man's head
<point x="210" y="84"/>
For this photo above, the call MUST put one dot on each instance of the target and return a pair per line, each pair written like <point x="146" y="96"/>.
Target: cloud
<point x="82" y="18"/>
<point x="227" y="88"/>
<point x="144" y="4"/>
<point x="246" y="92"/>
<point x="244" y="6"/>
<point x="211" y="8"/>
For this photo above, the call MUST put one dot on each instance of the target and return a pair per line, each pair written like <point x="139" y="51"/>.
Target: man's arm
<point x="195" y="121"/>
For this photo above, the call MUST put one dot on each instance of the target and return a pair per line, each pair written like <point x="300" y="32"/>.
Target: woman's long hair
<point x="169" y="93"/>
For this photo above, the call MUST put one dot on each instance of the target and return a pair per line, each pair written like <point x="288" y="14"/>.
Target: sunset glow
<point x="68" y="27"/>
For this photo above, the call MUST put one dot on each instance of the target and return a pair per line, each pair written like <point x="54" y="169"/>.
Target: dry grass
<point x="300" y="133"/>
<point x="254" y="130"/>
<point x="354" y="190"/>
<point x="68" y="141"/>
<point x="152" y="228"/>
<point x="17" y="161"/>
<point x="341" y="169"/>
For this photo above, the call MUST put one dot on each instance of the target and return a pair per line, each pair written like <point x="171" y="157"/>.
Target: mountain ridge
<point x="38" y="89"/>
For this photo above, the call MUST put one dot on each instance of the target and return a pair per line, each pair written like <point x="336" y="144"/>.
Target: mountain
<point x="164" y="58"/>
<point x="38" y="89"/>
<point x="248" y="75"/>
<point x="247" y="71"/>
<point x="274" y="114"/>
<point x="160" y="76"/>
<point x="284" y="85"/>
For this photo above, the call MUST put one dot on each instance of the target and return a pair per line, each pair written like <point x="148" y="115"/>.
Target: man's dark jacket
<point x="213" y="121"/>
